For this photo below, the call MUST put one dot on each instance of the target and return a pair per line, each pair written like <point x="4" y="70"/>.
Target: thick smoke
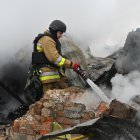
<point x="99" y="24"/>
<point x="124" y="88"/>
<point x="13" y="76"/>
<point x="90" y="99"/>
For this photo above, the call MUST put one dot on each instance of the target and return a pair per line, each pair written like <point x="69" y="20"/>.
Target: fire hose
<point x="94" y="87"/>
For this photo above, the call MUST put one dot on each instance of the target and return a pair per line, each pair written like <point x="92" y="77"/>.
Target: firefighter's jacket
<point x="50" y="73"/>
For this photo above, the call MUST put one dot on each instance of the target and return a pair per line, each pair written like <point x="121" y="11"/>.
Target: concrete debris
<point x="120" y="110"/>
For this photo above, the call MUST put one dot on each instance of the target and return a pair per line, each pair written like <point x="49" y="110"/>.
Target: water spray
<point x="94" y="87"/>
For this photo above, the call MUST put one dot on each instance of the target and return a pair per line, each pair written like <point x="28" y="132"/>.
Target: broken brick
<point x="30" y="125"/>
<point x="37" y="108"/>
<point x="23" y="130"/>
<point x="23" y="122"/>
<point x="43" y="100"/>
<point x="60" y="120"/>
<point x="31" y="106"/>
<point x="43" y="132"/>
<point x="16" y="125"/>
<point x="46" y="125"/>
<point x="31" y="112"/>
<point x="86" y="116"/>
<point x="83" y="120"/>
<point x="75" y="107"/>
<point x="65" y="126"/>
<point x="74" y="110"/>
<point x="60" y="106"/>
<point x="101" y="108"/>
<point x="92" y="115"/>
<point x="49" y="104"/>
<point x="31" y="132"/>
<point x="37" y="117"/>
<point x="71" y="113"/>
<point x="60" y="114"/>
<point x="45" y="112"/>
<point x="47" y="119"/>
<point x="71" y="122"/>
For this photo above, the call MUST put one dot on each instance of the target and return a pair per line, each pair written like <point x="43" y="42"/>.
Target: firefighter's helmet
<point x="58" y="25"/>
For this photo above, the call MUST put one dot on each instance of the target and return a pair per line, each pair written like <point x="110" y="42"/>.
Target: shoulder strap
<point x="58" y="46"/>
<point x="36" y="40"/>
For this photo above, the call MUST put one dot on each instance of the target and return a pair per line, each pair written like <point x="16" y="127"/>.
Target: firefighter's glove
<point x="76" y="67"/>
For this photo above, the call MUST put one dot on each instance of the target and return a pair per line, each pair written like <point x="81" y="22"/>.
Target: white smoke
<point x="95" y="23"/>
<point x="90" y="99"/>
<point x="126" y="87"/>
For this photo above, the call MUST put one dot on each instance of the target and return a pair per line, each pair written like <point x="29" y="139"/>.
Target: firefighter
<point x="48" y="58"/>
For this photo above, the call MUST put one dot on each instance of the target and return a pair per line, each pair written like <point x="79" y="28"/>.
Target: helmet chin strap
<point x="53" y="33"/>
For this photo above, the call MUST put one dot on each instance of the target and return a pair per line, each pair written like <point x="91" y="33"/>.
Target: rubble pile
<point x="55" y="106"/>
<point x="57" y="110"/>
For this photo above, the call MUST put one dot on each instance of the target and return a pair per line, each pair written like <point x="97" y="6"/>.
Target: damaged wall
<point x="57" y="110"/>
<point x="55" y="106"/>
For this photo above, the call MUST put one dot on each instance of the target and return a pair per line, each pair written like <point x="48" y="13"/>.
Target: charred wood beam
<point x="10" y="92"/>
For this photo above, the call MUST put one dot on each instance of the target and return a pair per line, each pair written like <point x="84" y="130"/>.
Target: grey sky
<point x="93" y="22"/>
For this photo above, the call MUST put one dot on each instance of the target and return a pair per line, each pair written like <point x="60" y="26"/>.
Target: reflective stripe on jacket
<point x="49" y="76"/>
<point x="60" y="61"/>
